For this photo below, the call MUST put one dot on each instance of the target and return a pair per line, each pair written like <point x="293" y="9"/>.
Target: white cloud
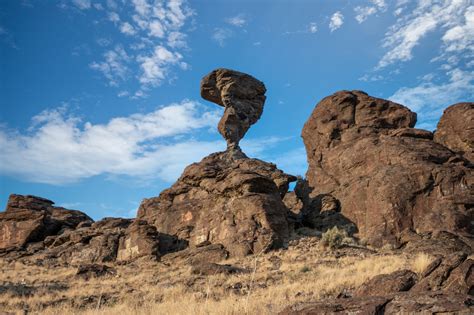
<point x="237" y="20"/>
<point x="155" y="67"/>
<point x="127" y="28"/>
<point x="429" y="99"/>
<point x="362" y="13"/>
<point x="114" y="17"/>
<point x="59" y="148"/>
<point x="461" y="37"/>
<point x="82" y="4"/>
<point x="156" y="29"/>
<point x="426" y="17"/>
<point x="149" y="25"/>
<point x="220" y="35"/>
<point x="114" y="68"/>
<point x="313" y="27"/>
<point x="337" y="19"/>
<point x="177" y="40"/>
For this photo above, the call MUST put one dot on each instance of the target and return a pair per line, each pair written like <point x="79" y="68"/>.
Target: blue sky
<point x="100" y="103"/>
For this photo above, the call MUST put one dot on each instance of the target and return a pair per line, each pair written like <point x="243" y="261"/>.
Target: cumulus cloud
<point x="452" y="18"/>
<point x="337" y="19"/>
<point x="59" y="148"/>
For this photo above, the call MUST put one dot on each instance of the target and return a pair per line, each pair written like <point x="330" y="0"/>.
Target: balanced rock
<point x="243" y="97"/>
<point x="456" y="129"/>
<point x="31" y="219"/>
<point x="227" y="198"/>
<point x="387" y="176"/>
<point x="236" y="202"/>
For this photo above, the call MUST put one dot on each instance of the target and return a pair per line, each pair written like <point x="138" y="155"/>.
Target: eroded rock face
<point x="456" y="129"/>
<point x="387" y="176"/>
<point x="236" y="202"/>
<point x="31" y="219"/>
<point x="243" y="97"/>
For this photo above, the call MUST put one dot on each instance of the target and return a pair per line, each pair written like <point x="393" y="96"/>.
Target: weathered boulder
<point x="449" y="273"/>
<point x="456" y="129"/>
<point x="387" y="284"/>
<point x="31" y="219"/>
<point x="236" y="202"/>
<point x="88" y="271"/>
<point x="386" y="176"/>
<point x="243" y="97"/>
<point x="430" y="303"/>
<point x="369" y="305"/>
<point x="210" y="269"/>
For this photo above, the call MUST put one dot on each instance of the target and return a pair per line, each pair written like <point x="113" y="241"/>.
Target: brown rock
<point x="88" y="271"/>
<point x="242" y="96"/>
<point x="209" y="269"/>
<point x="456" y="129"/>
<point x="387" y="177"/>
<point x="31" y="219"/>
<point x="140" y="239"/>
<point x="358" y="305"/>
<point x="461" y="279"/>
<point x="387" y="284"/>
<point x="213" y="253"/>
<point x="223" y="200"/>
<point x="436" y="279"/>
<point x="430" y="303"/>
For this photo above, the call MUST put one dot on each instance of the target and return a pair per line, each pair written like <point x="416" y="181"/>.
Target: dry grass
<point x="420" y="262"/>
<point x="306" y="273"/>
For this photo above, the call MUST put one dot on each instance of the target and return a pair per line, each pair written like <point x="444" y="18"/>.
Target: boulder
<point x="387" y="284"/>
<point x="210" y="269"/>
<point x="386" y="176"/>
<point x="430" y="303"/>
<point x="243" y="97"/>
<point x="456" y="129"/>
<point x="236" y="202"/>
<point x="30" y="219"/>
<point x="436" y="276"/>
<point x="370" y="305"/>
<point x="87" y="271"/>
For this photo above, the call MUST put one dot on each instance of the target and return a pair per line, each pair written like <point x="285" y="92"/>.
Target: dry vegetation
<point x="306" y="271"/>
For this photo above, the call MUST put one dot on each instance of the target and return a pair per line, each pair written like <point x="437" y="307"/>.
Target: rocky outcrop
<point x="242" y="96"/>
<point x="227" y="198"/>
<point x="387" y="284"/>
<point x="236" y="202"/>
<point x="402" y="303"/>
<point x="387" y="177"/>
<point x="456" y="129"/>
<point x="31" y="219"/>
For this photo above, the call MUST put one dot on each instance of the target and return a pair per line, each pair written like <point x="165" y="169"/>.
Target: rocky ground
<point x="260" y="284"/>
<point x="383" y="223"/>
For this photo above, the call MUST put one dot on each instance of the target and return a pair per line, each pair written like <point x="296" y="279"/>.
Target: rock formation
<point x="226" y="198"/>
<point x="387" y="176"/>
<point x="456" y="129"/>
<point x="242" y="96"/>
<point x="30" y="219"/>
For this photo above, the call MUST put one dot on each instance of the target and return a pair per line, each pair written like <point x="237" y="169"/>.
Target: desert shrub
<point x="305" y="269"/>
<point x="334" y="237"/>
